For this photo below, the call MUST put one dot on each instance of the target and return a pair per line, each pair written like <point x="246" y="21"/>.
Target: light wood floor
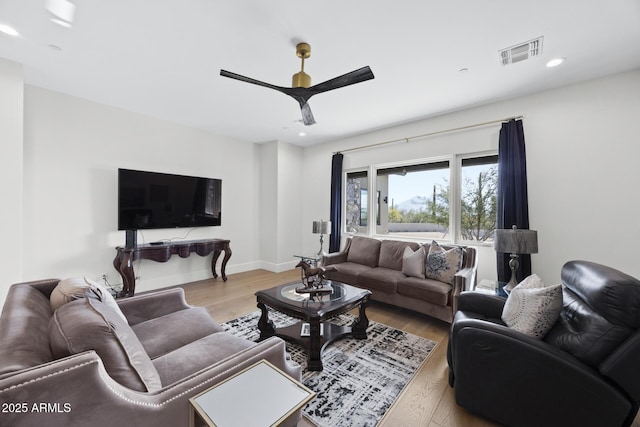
<point x="428" y="400"/>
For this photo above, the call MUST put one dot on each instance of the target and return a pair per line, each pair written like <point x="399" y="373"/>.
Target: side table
<point x="492" y="287"/>
<point x="311" y="260"/>
<point x="232" y="402"/>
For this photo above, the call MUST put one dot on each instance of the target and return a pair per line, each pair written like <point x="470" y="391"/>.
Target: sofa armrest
<point x="337" y="257"/>
<point x="462" y="281"/>
<point x="143" y="307"/>
<point x="90" y="394"/>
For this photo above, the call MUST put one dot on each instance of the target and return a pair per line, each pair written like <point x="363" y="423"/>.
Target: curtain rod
<point x="363" y="147"/>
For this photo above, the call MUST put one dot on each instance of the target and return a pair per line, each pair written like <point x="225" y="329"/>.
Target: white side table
<point x="261" y="395"/>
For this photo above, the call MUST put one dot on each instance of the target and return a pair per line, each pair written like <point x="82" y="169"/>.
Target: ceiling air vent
<point x="521" y="52"/>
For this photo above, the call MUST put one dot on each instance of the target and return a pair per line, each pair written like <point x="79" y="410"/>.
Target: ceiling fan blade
<point x="357" y="76"/>
<point x="235" y="76"/>
<point x="307" y="116"/>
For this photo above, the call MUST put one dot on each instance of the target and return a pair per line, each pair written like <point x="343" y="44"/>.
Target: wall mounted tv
<point x="148" y="200"/>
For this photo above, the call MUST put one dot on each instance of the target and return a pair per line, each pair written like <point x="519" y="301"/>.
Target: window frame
<point x="455" y="195"/>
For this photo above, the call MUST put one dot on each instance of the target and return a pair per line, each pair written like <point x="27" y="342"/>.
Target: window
<point x="356" y="202"/>
<point x="479" y="182"/>
<point x="414" y="200"/>
<point x="450" y="199"/>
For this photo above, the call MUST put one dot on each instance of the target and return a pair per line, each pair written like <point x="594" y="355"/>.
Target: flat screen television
<point x="148" y="200"/>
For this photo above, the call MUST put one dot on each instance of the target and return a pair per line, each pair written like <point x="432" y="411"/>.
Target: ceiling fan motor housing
<point x="302" y="79"/>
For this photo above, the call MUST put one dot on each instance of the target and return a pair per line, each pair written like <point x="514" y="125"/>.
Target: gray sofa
<point x="84" y="365"/>
<point x="377" y="265"/>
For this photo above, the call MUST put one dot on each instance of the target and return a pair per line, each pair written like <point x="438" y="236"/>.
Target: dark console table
<point x="125" y="257"/>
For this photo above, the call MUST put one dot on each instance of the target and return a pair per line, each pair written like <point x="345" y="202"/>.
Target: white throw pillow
<point x="74" y="288"/>
<point x="413" y="262"/>
<point x="442" y="264"/>
<point x="533" y="307"/>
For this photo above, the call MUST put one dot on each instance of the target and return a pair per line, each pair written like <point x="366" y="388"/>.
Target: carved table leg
<point x="360" y="325"/>
<point x="123" y="263"/>
<point x="227" y="255"/>
<point x="314" y="359"/>
<point x="214" y="261"/>
<point x="266" y="326"/>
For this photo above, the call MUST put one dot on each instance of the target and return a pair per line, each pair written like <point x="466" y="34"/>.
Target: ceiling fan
<point x="301" y="89"/>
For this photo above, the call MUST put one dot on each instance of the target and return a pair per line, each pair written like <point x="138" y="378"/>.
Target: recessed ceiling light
<point x="8" y="30"/>
<point x="555" y="62"/>
<point x="302" y="134"/>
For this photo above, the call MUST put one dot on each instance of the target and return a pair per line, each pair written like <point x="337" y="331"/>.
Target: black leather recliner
<point x="585" y="372"/>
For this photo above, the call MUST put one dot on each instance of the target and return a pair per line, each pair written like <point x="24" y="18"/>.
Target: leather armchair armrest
<point x="489" y="359"/>
<point x="142" y="307"/>
<point x="490" y="306"/>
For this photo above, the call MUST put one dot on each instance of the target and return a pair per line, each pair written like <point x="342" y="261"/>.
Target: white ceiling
<point x="163" y="58"/>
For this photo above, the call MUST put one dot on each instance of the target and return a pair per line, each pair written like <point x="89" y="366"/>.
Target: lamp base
<point x="513" y="265"/>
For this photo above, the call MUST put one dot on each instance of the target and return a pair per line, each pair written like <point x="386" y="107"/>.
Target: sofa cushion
<point x="433" y="291"/>
<point x="391" y="252"/>
<point x="346" y="272"/>
<point x="364" y="250"/>
<point x="413" y="263"/>
<point x="443" y="264"/>
<point x="88" y="324"/>
<point x="380" y="279"/>
<point x="198" y="355"/>
<point x="183" y="326"/>
<point x="79" y="287"/>
<point x="532" y="307"/>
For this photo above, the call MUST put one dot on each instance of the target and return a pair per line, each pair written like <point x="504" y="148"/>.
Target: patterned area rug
<point x="361" y="378"/>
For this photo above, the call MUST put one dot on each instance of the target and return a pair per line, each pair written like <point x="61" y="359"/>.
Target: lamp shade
<point x="516" y="241"/>
<point x="321" y="227"/>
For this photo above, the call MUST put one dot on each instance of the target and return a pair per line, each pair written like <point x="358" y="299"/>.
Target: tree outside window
<point x="479" y="179"/>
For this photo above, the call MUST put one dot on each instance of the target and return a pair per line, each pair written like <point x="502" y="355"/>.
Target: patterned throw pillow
<point x="413" y="262"/>
<point x="443" y="264"/>
<point x="533" y="307"/>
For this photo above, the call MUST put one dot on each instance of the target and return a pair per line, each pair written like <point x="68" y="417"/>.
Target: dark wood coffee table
<point x="314" y="310"/>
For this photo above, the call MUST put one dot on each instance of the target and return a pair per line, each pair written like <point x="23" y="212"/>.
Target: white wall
<point x="11" y="137"/>
<point x="582" y="154"/>
<point x="280" y="205"/>
<point x="72" y="151"/>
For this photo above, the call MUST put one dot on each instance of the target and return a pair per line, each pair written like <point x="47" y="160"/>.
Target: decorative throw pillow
<point x="74" y="288"/>
<point x="533" y="307"/>
<point x="89" y="324"/>
<point x="413" y="262"/>
<point x="442" y="265"/>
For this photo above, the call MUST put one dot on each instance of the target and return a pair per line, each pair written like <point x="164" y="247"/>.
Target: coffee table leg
<point x="360" y="325"/>
<point x="266" y="327"/>
<point x="314" y="360"/>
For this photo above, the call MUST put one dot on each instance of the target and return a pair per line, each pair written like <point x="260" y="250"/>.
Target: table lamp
<point x="515" y="241"/>
<point x="321" y="227"/>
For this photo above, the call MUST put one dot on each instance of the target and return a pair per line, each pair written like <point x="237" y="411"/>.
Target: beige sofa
<point x="377" y="265"/>
<point x="82" y="364"/>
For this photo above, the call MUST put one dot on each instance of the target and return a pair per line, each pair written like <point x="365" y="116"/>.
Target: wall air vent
<point x="521" y="51"/>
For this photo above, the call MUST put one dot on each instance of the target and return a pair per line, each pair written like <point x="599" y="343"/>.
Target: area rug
<point x="361" y="379"/>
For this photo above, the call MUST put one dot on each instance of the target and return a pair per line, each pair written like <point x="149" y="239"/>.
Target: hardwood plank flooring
<point x="427" y="401"/>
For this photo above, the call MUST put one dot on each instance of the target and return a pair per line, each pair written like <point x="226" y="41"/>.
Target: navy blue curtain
<point x="336" y="202"/>
<point x="512" y="199"/>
